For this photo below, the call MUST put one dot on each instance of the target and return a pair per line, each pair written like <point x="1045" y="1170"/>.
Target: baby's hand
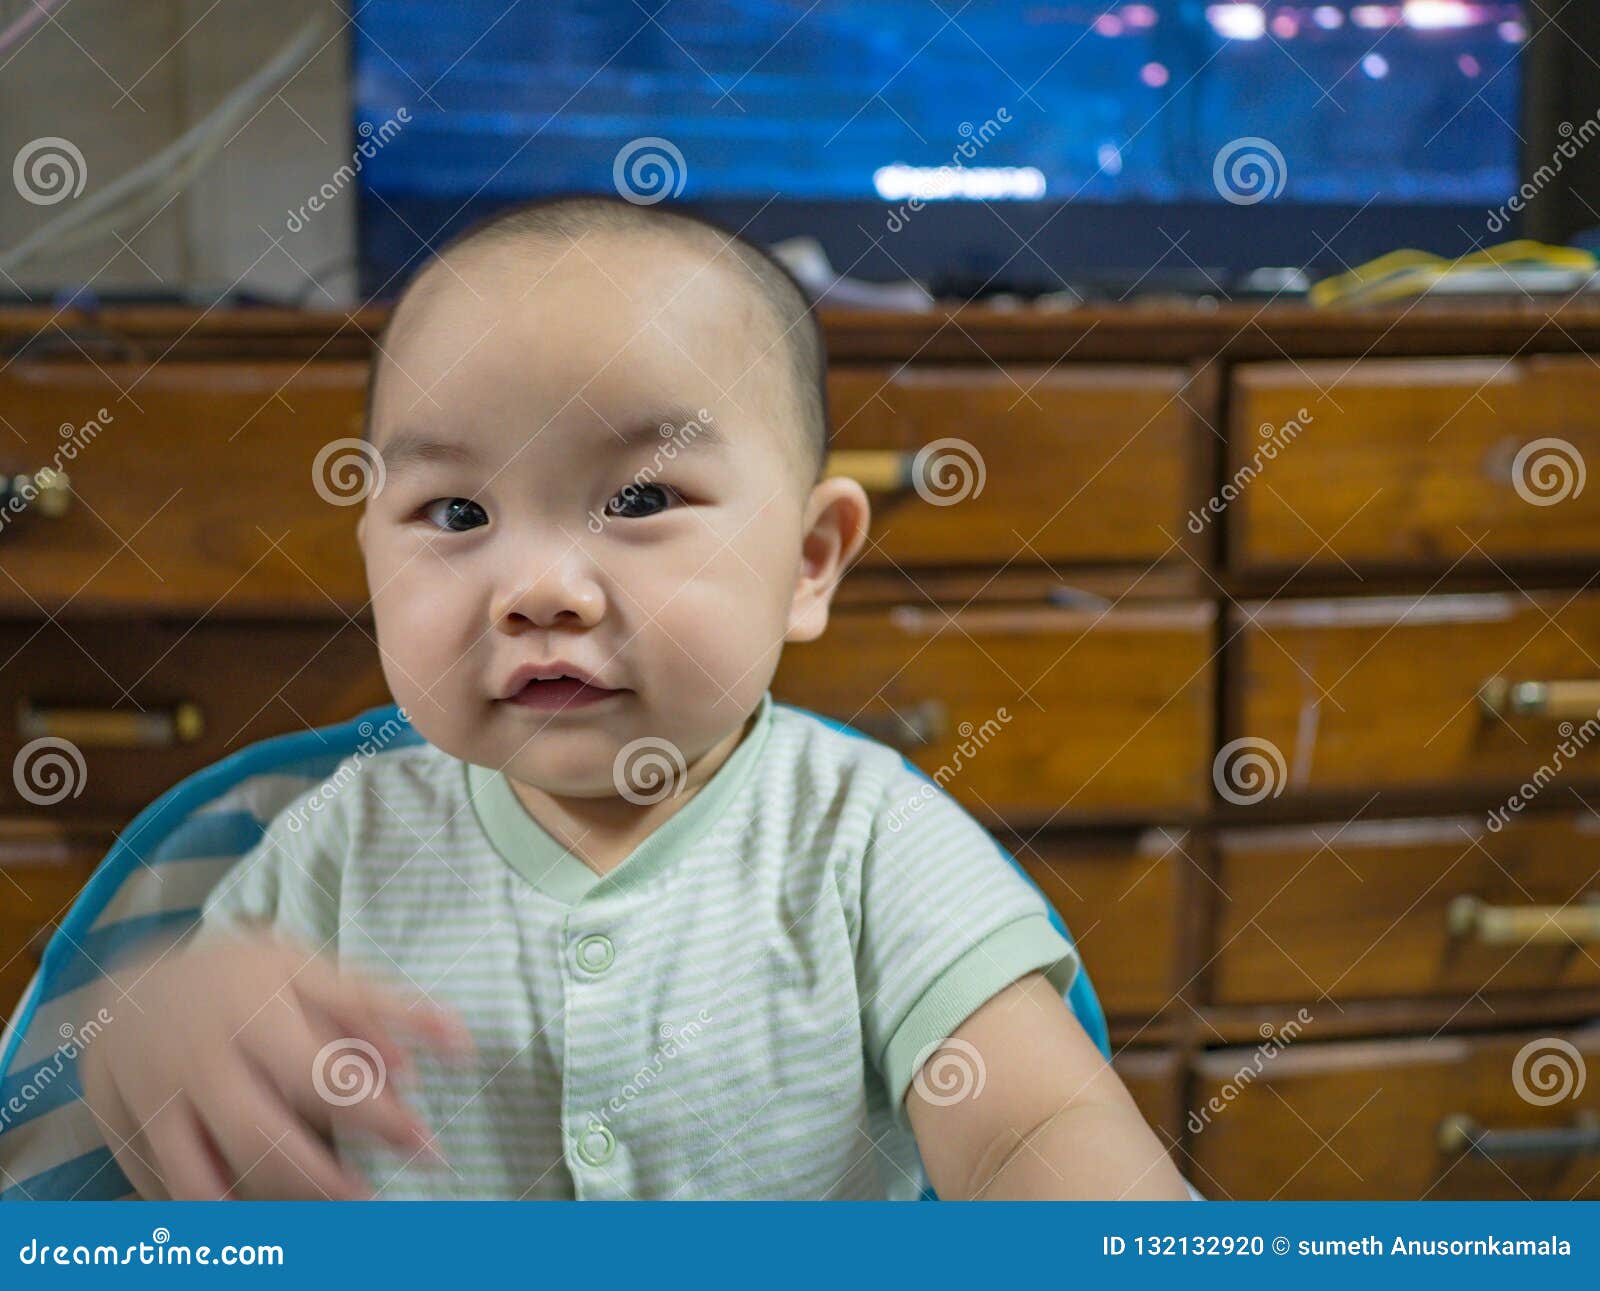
<point x="210" y="1081"/>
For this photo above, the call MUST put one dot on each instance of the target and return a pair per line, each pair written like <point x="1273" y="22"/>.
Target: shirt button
<point x="596" y="1144"/>
<point x="595" y="953"/>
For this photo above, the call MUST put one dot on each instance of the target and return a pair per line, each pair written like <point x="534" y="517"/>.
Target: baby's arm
<point x="205" y="1083"/>
<point x="202" y="1084"/>
<point x="1049" y="1120"/>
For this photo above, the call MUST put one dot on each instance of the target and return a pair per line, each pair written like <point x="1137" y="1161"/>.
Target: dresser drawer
<point x="1026" y="715"/>
<point x="195" y="493"/>
<point x="1418" y="693"/>
<point x="1408" y="908"/>
<point x="1120" y="904"/>
<point x="1387" y="1119"/>
<point x="1409" y="462"/>
<point x="43" y="867"/>
<point x="1058" y="464"/>
<point x="143" y="704"/>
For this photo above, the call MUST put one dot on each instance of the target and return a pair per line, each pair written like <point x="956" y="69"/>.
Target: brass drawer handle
<point x="908" y="728"/>
<point x="1459" y="1134"/>
<point x="47" y="492"/>
<point x="878" y="470"/>
<point x="1555" y="700"/>
<point x="1539" y="925"/>
<point x="182" y="723"/>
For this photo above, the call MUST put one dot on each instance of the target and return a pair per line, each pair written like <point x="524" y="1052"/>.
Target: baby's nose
<point x="550" y="597"/>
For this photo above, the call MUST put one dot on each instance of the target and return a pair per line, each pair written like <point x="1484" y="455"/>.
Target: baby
<point x="620" y="925"/>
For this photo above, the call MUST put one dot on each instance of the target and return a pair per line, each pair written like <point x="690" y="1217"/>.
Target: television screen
<point x="807" y="102"/>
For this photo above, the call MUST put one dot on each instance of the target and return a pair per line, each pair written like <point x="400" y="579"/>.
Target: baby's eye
<point x="456" y="515"/>
<point x="636" y="501"/>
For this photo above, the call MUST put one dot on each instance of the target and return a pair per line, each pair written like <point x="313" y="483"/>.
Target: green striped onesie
<point x="735" y="1011"/>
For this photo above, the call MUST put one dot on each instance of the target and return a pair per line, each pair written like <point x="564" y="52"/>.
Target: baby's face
<point x="610" y="484"/>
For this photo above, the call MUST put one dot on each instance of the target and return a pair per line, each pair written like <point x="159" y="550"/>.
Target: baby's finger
<point x="361" y="1004"/>
<point x="124" y="1133"/>
<point x="343" y="1054"/>
<point x="191" y="1167"/>
<point x="326" y="1076"/>
<point x="271" y="1151"/>
<point x="347" y="1076"/>
<point x="374" y="1108"/>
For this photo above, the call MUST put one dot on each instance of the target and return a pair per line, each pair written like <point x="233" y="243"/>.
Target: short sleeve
<point x="947" y="921"/>
<point x="288" y="881"/>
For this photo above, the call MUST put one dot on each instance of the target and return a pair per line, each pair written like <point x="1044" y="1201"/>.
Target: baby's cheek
<point x="420" y="647"/>
<point x="712" y="643"/>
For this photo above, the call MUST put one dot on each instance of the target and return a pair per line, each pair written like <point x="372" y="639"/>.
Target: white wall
<point x="121" y="79"/>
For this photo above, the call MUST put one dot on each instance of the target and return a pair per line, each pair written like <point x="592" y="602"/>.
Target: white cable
<point x="90" y="219"/>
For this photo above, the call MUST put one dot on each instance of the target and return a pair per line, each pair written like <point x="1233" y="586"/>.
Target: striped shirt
<point x="735" y="1011"/>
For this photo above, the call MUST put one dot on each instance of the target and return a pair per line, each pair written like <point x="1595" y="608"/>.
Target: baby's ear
<point x="837" y="516"/>
<point x="808" y="615"/>
<point x="361" y="533"/>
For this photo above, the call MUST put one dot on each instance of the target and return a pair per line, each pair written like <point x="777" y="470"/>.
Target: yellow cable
<point x="1408" y="271"/>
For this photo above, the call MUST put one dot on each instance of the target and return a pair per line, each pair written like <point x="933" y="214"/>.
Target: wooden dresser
<point x="1268" y="641"/>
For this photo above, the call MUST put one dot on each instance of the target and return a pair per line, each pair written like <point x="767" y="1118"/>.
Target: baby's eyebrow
<point x="683" y="427"/>
<point x="410" y="448"/>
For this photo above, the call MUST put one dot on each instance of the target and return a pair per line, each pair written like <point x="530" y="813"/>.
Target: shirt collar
<point x="529" y="849"/>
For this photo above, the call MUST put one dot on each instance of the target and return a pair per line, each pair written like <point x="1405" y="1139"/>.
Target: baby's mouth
<point x="559" y="693"/>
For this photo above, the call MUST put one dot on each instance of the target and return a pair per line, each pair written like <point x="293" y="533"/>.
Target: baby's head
<point x="603" y="429"/>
